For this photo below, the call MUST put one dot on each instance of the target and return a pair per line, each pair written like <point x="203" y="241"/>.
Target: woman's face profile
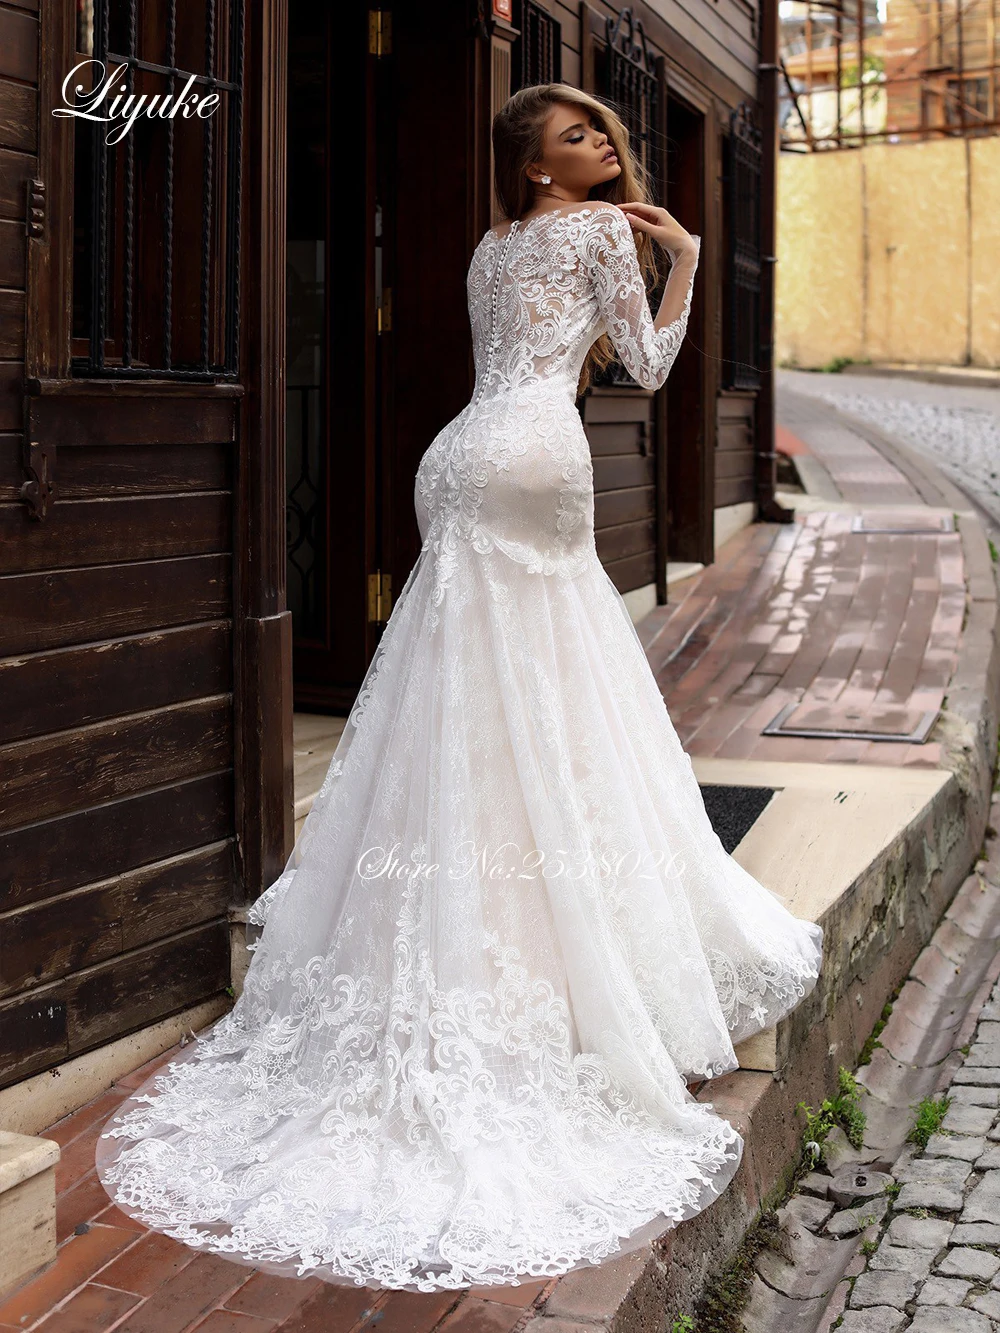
<point x="576" y="152"/>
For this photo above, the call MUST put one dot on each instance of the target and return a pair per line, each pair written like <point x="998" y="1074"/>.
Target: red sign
<point x="503" y="9"/>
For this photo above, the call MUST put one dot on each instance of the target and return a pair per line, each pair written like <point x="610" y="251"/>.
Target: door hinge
<point x="39" y="491"/>
<point x="379" y="597"/>
<point x="379" y="32"/>
<point x="384" y="312"/>
<point x="34" y="220"/>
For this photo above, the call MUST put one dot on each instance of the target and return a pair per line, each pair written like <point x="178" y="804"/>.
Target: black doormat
<point x="734" y="810"/>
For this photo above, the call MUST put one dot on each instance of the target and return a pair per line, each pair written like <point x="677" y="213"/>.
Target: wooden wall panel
<point x="11" y="325"/>
<point x="117" y="756"/>
<point x="620" y="427"/>
<point x="51" y="1023"/>
<point x="18" y="116"/>
<point x="16" y="169"/>
<point x="734" y="453"/>
<point x="12" y="243"/>
<point x="132" y="675"/>
<point x="18" y="45"/>
<point x="54" y="856"/>
<point x="70" y="770"/>
<point x="11" y="395"/>
<point x="55" y="608"/>
<point x="102" y="532"/>
<point x="77" y="930"/>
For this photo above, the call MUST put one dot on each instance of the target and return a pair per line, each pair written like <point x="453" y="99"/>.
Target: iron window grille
<point x="156" y="288"/>
<point x="537" y="54"/>
<point x="631" y="84"/>
<point x="741" y="178"/>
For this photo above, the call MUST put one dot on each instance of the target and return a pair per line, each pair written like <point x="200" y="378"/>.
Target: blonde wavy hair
<point x="518" y="131"/>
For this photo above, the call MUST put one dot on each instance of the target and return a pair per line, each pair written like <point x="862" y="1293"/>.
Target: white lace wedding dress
<point x="508" y="931"/>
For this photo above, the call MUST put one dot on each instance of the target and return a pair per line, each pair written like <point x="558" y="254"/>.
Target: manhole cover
<point x="888" y="722"/>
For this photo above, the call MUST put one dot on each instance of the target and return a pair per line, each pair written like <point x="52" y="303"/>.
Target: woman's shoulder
<point x="594" y="212"/>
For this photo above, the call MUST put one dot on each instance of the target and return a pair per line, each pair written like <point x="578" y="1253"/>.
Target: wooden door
<point x="690" y="432"/>
<point x="118" y="660"/>
<point x="434" y="147"/>
<point x="332" y="332"/>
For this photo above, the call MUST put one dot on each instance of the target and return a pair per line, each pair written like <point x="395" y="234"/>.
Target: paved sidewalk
<point x="957" y="426"/>
<point x="845" y="623"/>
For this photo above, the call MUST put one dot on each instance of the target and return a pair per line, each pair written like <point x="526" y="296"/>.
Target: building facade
<point x="225" y="341"/>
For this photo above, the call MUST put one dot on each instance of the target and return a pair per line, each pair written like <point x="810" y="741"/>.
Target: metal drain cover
<point x="914" y="524"/>
<point x="889" y="722"/>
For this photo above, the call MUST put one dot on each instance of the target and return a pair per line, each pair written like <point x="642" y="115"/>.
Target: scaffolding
<point x="889" y="71"/>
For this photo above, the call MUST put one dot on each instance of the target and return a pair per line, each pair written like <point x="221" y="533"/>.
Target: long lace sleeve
<point x="609" y="254"/>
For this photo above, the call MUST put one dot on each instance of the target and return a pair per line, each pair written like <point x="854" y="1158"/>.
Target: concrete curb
<point x="985" y="377"/>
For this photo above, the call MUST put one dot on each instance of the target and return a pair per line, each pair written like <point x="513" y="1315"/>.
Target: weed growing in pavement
<point x="930" y="1114"/>
<point x="893" y="1188"/>
<point x="844" y="1110"/>
<point x="873" y="1042"/>
<point x="720" y="1306"/>
<point x="682" y="1324"/>
<point x="868" y="1248"/>
<point x="994" y="553"/>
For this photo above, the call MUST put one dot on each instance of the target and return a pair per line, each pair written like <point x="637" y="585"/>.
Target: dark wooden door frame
<point x="263" y="666"/>
<point x="693" y="538"/>
<point x="330" y="660"/>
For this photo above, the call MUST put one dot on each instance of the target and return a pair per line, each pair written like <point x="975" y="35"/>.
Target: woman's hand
<point x="662" y="226"/>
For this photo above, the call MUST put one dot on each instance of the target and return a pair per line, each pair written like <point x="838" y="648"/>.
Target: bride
<point x="508" y="934"/>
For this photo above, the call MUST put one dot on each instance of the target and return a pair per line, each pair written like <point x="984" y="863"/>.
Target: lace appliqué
<point x="538" y="299"/>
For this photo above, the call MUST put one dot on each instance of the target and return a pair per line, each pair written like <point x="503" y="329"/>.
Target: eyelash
<point x="578" y="139"/>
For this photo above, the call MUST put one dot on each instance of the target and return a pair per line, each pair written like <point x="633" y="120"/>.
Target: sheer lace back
<point x="542" y="292"/>
<point x="512" y="472"/>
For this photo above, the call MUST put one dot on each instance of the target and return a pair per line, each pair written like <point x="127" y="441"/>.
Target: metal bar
<point x="234" y="198"/>
<point x="839" y="39"/>
<point x="82" y="366"/>
<point x="861" y="64"/>
<point x="171" y="70"/>
<point x="793" y="145"/>
<point x="128" y="253"/>
<point x="961" y="66"/>
<point x="207" y="193"/>
<point x="795" y="100"/>
<point x="168" y="223"/>
<point x="99" y="215"/>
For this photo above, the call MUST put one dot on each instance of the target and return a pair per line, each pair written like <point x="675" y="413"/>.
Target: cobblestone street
<point x="957" y="426"/>
<point x="903" y="1234"/>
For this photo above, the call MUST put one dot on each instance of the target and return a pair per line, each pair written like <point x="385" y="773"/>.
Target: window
<point x="628" y="79"/>
<point x="630" y="83"/>
<point x="536" y="55"/>
<point x="155" y="288"/>
<point x="741" y="177"/>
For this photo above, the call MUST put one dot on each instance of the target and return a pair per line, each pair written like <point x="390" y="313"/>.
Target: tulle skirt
<point x="507" y="938"/>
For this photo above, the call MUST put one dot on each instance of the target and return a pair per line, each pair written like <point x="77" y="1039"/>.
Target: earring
<point x="546" y="180"/>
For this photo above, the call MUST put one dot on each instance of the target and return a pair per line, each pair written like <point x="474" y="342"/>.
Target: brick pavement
<point x="853" y="631"/>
